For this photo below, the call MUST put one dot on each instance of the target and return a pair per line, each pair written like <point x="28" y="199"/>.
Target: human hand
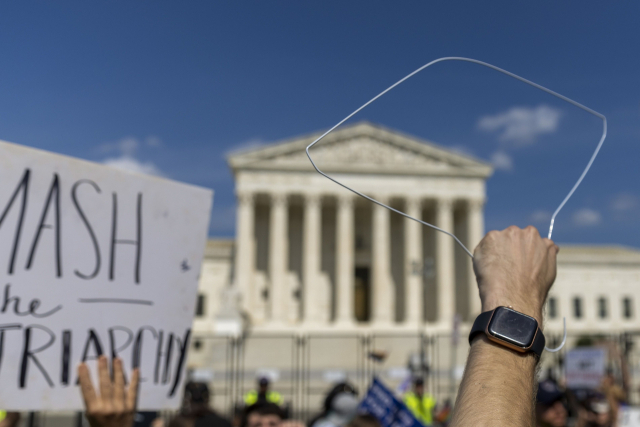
<point x="515" y="267"/>
<point x="11" y="419"/>
<point x="114" y="407"/>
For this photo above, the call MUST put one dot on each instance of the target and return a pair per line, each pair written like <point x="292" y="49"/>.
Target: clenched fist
<point x="515" y="267"/>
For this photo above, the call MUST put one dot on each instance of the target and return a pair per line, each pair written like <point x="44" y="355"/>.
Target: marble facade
<point x="312" y="256"/>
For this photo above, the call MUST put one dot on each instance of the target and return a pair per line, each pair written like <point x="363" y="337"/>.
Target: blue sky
<point x="172" y="87"/>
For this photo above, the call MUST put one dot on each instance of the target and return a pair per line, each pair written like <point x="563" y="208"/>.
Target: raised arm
<point x="516" y="268"/>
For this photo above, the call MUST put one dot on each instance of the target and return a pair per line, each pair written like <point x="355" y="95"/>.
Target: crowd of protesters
<point x="557" y="406"/>
<point x="497" y="387"/>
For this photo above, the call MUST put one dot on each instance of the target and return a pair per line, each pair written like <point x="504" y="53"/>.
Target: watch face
<point x="513" y="327"/>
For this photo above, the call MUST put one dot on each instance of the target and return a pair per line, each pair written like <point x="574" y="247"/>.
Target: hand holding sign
<point x="113" y="407"/>
<point x="91" y="261"/>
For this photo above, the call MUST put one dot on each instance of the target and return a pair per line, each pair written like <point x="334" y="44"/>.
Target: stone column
<point x="383" y="295"/>
<point x="278" y="257"/>
<point x="312" y="250"/>
<point x="345" y="263"/>
<point x="475" y="227"/>
<point x="445" y="262"/>
<point x="245" y="251"/>
<point x="413" y="272"/>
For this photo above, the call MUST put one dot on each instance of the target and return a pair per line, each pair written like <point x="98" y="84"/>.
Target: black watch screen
<point x="513" y="327"/>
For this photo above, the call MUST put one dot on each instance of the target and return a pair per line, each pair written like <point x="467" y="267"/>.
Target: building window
<point x="552" y="308"/>
<point x="577" y="308"/>
<point x="200" y="305"/>
<point x="602" y="308"/>
<point x="197" y="345"/>
<point x="627" y="308"/>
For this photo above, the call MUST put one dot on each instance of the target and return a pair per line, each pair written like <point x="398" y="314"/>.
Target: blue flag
<point x="381" y="403"/>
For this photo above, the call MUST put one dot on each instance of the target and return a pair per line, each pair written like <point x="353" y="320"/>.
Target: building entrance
<point x="362" y="294"/>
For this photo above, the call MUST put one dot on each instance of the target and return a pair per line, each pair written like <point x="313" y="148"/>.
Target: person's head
<point x="550" y="409"/>
<point x="196" y="398"/>
<point x="339" y="389"/>
<point x="364" y="420"/>
<point x="600" y="410"/>
<point x="262" y="415"/>
<point x="418" y="386"/>
<point x="263" y="384"/>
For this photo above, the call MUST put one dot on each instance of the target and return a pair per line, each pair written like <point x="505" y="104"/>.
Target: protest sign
<point x="629" y="416"/>
<point x="94" y="261"/>
<point x="584" y="367"/>
<point x="381" y="403"/>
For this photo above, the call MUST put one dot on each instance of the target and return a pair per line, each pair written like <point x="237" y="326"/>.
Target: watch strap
<point x="480" y="325"/>
<point x="538" y="343"/>
<point x="482" y="321"/>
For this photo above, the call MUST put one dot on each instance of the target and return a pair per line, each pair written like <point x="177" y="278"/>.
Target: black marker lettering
<point x="28" y="353"/>
<point x="97" y="345"/>
<point x="55" y="188"/>
<point x="2" y="329"/>
<point x="159" y="354"/>
<point x="167" y="360"/>
<point x="24" y="188"/>
<point x="137" y="348"/>
<point x="1" y="347"/>
<point x="183" y="345"/>
<point x="33" y="305"/>
<point x="115" y="240"/>
<point x="96" y="247"/>
<point x="66" y="357"/>
<point x="112" y="340"/>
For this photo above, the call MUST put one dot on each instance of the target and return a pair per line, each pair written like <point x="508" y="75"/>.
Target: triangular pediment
<point x="362" y="148"/>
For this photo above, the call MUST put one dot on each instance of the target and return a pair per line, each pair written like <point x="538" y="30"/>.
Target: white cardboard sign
<point x="629" y="416"/>
<point x="94" y="261"/>
<point x="584" y="367"/>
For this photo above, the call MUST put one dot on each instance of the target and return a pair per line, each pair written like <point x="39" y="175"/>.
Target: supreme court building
<point x="318" y="279"/>
<point x="310" y="255"/>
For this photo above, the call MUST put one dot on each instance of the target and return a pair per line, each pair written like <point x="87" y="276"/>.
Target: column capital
<point x="382" y="198"/>
<point x="476" y="203"/>
<point x="346" y="199"/>
<point x="278" y="198"/>
<point x="413" y="203"/>
<point x="312" y="198"/>
<point x="245" y="196"/>
<point x="444" y="203"/>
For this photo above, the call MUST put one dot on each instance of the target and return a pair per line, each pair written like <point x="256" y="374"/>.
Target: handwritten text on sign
<point x="93" y="261"/>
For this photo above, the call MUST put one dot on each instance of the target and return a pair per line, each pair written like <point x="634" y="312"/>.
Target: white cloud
<point x="502" y="161"/>
<point x="522" y="125"/>
<point x="126" y="149"/>
<point x="625" y="202"/>
<point x="540" y="216"/>
<point x="130" y="164"/>
<point x="128" y="145"/>
<point x="586" y="217"/>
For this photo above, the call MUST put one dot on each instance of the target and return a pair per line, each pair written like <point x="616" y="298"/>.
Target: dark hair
<point x="261" y="408"/>
<point x="343" y="387"/>
<point x="364" y="420"/>
<point x="195" y="392"/>
<point x="336" y="390"/>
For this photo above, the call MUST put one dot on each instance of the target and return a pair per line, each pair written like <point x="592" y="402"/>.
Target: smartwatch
<point x="510" y="328"/>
